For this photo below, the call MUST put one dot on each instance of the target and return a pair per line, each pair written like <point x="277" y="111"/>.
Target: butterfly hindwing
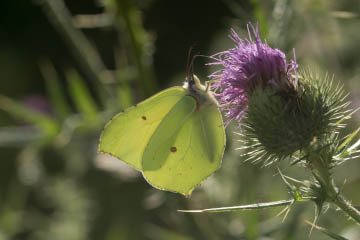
<point x="186" y="147"/>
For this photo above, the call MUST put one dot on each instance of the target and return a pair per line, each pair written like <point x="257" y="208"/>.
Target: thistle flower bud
<point x="278" y="123"/>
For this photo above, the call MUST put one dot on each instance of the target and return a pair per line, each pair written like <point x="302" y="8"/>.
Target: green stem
<point x="139" y="42"/>
<point x="345" y="205"/>
<point x="82" y="49"/>
<point x="322" y="173"/>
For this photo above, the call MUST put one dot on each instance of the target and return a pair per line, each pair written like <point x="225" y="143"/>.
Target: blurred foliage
<point x="67" y="67"/>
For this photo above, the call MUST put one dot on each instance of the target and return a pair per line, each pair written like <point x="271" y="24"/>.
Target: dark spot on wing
<point x="173" y="149"/>
<point x="143" y="117"/>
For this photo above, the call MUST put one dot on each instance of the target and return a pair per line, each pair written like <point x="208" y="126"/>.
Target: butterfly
<point x="176" y="138"/>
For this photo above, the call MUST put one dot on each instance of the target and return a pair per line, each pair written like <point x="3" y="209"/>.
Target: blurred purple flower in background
<point x="250" y="64"/>
<point x="38" y="103"/>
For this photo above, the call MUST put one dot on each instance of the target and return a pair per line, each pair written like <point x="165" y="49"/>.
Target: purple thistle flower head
<point x="250" y="64"/>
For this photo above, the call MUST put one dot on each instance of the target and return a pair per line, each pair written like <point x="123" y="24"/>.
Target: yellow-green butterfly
<point x="176" y="138"/>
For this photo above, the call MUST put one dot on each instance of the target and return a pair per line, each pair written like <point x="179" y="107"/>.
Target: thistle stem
<point x="332" y="191"/>
<point x="345" y="205"/>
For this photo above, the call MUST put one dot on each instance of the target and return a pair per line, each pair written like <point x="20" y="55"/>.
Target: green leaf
<point x="260" y="16"/>
<point x="124" y="90"/>
<point x="140" y="43"/>
<point x="82" y="98"/>
<point x="54" y="89"/>
<point x="47" y="124"/>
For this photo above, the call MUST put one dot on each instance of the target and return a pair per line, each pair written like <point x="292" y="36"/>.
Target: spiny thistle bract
<point x="278" y="124"/>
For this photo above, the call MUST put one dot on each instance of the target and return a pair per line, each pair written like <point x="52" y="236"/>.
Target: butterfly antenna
<point x="190" y="67"/>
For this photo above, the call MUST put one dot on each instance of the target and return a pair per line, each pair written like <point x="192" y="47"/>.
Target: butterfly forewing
<point x="128" y="133"/>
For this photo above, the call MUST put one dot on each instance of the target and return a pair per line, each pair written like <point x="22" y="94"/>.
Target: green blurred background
<point x="67" y="67"/>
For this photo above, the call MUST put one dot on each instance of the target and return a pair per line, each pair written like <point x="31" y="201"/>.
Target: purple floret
<point x="250" y="64"/>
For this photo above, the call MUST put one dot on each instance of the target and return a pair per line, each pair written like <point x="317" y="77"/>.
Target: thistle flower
<point x="279" y="115"/>
<point x="249" y="65"/>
